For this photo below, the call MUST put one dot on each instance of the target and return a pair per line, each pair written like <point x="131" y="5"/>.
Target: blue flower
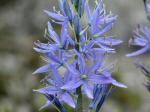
<point x="53" y="87"/>
<point x="86" y="76"/>
<point x="56" y="42"/>
<point x="100" y="24"/>
<point x="141" y="38"/>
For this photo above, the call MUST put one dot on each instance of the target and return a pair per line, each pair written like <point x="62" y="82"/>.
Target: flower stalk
<point x="79" y="107"/>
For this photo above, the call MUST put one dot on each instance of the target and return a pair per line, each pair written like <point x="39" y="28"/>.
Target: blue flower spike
<point x="74" y="57"/>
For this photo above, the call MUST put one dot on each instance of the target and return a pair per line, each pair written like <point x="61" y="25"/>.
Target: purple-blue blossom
<point x="100" y="23"/>
<point x="87" y="76"/>
<point x="54" y="85"/>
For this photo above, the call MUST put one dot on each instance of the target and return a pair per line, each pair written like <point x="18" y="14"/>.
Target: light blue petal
<point x="53" y="34"/>
<point x="64" y="33"/>
<point x="75" y="83"/>
<point x="88" y="90"/>
<point x="68" y="99"/>
<point x="42" y="50"/>
<point x="55" y="16"/>
<point x="109" y="41"/>
<point x="99" y="60"/>
<point x="47" y="104"/>
<point x="42" y="69"/>
<point x="104" y="30"/>
<point x="55" y="75"/>
<point x="49" y="90"/>
<point x="99" y="79"/>
<point x="139" y="52"/>
<point x="118" y="84"/>
<point x="88" y="11"/>
<point x="71" y="68"/>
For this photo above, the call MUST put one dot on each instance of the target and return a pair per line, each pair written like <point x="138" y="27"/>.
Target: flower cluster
<point x="75" y="56"/>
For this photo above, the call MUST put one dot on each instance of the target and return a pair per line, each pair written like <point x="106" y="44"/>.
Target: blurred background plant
<point x="23" y="21"/>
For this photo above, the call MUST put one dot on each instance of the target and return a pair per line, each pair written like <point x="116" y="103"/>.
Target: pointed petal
<point x="109" y="41"/>
<point x="47" y="104"/>
<point x="107" y="20"/>
<point x="100" y="79"/>
<point x="71" y="41"/>
<point x="64" y="33"/>
<point x="105" y="48"/>
<point x="105" y="29"/>
<point x="42" y="50"/>
<point x="55" y="16"/>
<point x="68" y="99"/>
<point x="72" y="84"/>
<point x="141" y="51"/>
<point x="53" y="34"/>
<point x="71" y="68"/>
<point x="49" y="90"/>
<point x="67" y="77"/>
<point x="42" y="69"/>
<point x="53" y="58"/>
<point x="42" y="45"/>
<point x="118" y="84"/>
<point x="67" y="10"/>
<point x="98" y="64"/>
<point x="88" y="11"/>
<point x="88" y="90"/>
<point x="55" y="75"/>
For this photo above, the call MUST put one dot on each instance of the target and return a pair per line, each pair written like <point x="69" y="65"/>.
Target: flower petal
<point x="99" y="60"/>
<point x="88" y="90"/>
<point x="68" y="99"/>
<point x="47" y="104"/>
<point x="104" y="30"/>
<point x="53" y="34"/>
<point x="100" y="79"/>
<point x="88" y="11"/>
<point x="55" y="75"/>
<point x="55" y="16"/>
<point x="49" y="90"/>
<point x="64" y="33"/>
<point x="42" y="69"/>
<point x="109" y="41"/>
<point x="141" y="51"/>
<point x="118" y="84"/>
<point x="72" y="84"/>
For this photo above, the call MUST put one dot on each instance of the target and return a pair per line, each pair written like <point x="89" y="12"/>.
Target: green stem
<point x="79" y="100"/>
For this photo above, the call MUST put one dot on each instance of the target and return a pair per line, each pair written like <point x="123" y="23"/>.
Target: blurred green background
<point x="22" y="22"/>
